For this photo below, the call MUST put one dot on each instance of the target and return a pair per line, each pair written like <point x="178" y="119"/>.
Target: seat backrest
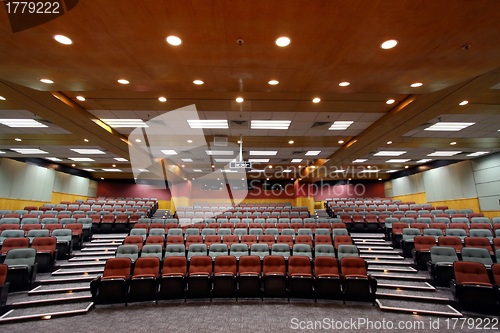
<point x="127" y="251"/>
<point x="470" y="273"/>
<point x="347" y="250"/>
<point x="324" y="250"/>
<point x="197" y="249"/>
<point x="249" y="265"/>
<point x="477" y="254"/>
<point x="299" y="265"/>
<point x="274" y="265"/>
<point x="44" y="244"/>
<point x="410" y="233"/>
<point x="326" y="266"/>
<point x="152" y="250"/>
<point x="200" y="265"/>
<point x="477" y="242"/>
<point x="174" y="265"/>
<point x="424" y="243"/>
<point x="147" y="266"/>
<point x="495" y="269"/>
<point x="259" y="249"/>
<point x="302" y="250"/>
<point x="486" y="233"/>
<point x="225" y="264"/>
<point x="24" y="256"/>
<point x="175" y="250"/>
<point x="350" y="266"/>
<point x="443" y="254"/>
<point x="14" y="243"/>
<point x="117" y="268"/>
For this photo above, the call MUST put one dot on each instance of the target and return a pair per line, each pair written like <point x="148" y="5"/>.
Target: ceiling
<point x="452" y="47"/>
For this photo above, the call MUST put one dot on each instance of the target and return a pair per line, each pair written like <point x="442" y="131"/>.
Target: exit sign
<point x="240" y="165"/>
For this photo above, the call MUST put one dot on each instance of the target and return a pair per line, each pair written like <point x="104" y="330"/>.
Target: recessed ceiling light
<point x="63" y="39"/>
<point x="88" y="151"/>
<point x="453" y="143"/>
<point x="120" y="159"/>
<point x="80" y="98"/>
<point x="28" y="151"/>
<point x="344" y="84"/>
<point x="183" y="166"/>
<point x="21" y="123"/>
<point x="367" y="171"/>
<point x="389" y="44"/>
<point x="46" y="81"/>
<point x="137" y="140"/>
<point x="162" y="99"/>
<point x="273" y="82"/>
<point x="117" y="123"/>
<point x="81" y="159"/>
<point x="54" y="159"/>
<point x="123" y="81"/>
<point x="406" y="166"/>
<point x="89" y="170"/>
<point x="389" y="142"/>
<point x="18" y="139"/>
<point x="283" y="41"/>
<point x="169" y="152"/>
<point x="186" y="160"/>
<point x="297" y="160"/>
<point x="360" y="160"/>
<point x="198" y="82"/>
<point x="341" y="141"/>
<point x="86" y="140"/>
<point x="111" y="170"/>
<point x="267" y="178"/>
<point x="102" y="178"/>
<point x="416" y="84"/>
<point x="258" y="160"/>
<point x="380" y="179"/>
<point x="213" y="166"/>
<point x="189" y="141"/>
<point x="349" y="179"/>
<point x="463" y="103"/>
<point x="73" y="165"/>
<point x="479" y="153"/>
<point x="398" y="160"/>
<point x="239" y="99"/>
<point x="390" y="153"/>
<point x="390" y="101"/>
<point x="369" y="166"/>
<point x="174" y="40"/>
<point x="220" y="152"/>
<point x="313" y="152"/>
<point x="424" y="160"/>
<point x="391" y="171"/>
<point x="291" y="142"/>
<point x="2" y="98"/>
<point x="197" y="170"/>
<point x="222" y="123"/>
<point x="444" y="153"/>
<point x="316" y="100"/>
<point x="270" y="124"/>
<point x="270" y="167"/>
<point x="340" y="125"/>
<point x="448" y="126"/>
<point x="263" y="152"/>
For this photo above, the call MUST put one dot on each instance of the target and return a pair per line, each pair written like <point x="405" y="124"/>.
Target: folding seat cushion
<point x="130" y="251"/>
<point x="198" y="249"/>
<point x="472" y="288"/>
<point x="259" y="249"/>
<point x="45" y="252"/>
<point x="274" y="275"/>
<point x="175" y="250"/>
<point x="143" y="282"/>
<point x="218" y="249"/>
<point x="477" y="254"/>
<point x="14" y="243"/>
<point x="451" y="241"/>
<point x="347" y="250"/>
<point x="22" y="268"/>
<point x="300" y="277"/>
<point x="481" y="242"/>
<point x="302" y="250"/>
<point x="358" y="285"/>
<point x="324" y="250"/>
<point x="199" y="276"/>
<point x="341" y="240"/>
<point x="224" y="277"/>
<point x="440" y="266"/>
<point x="111" y="287"/>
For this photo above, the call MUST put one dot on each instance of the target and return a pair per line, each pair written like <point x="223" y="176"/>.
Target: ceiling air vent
<point x="320" y="123"/>
<point x="220" y="141"/>
<point x="235" y="124"/>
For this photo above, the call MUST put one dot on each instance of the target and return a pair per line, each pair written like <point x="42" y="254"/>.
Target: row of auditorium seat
<point x="65" y="238"/>
<point x="227" y="277"/>
<point x="46" y="250"/>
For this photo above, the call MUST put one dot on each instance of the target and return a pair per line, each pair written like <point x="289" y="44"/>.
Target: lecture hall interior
<point x="249" y="165"/>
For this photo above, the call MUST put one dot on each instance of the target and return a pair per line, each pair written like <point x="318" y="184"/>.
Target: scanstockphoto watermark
<point x="332" y="172"/>
<point x="307" y="189"/>
<point x="363" y="324"/>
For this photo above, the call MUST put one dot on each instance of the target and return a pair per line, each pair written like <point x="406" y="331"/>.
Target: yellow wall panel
<point x="57" y="197"/>
<point x="15" y="204"/>
<point x="459" y="204"/>
<point x="418" y="198"/>
<point x="491" y="213"/>
<point x="163" y="204"/>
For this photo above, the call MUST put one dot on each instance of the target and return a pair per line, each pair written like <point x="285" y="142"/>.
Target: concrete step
<point x="31" y="300"/>
<point x="437" y="296"/>
<point x="401" y="276"/>
<point x="45" y="312"/>
<point x="381" y="256"/>
<point x="397" y="262"/>
<point x="405" y="285"/>
<point x="418" y="308"/>
<point x="77" y="264"/>
<point x="73" y="279"/>
<point x="89" y="257"/>
<point x="48" y="289"/>
<point x="77" y="271"/>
